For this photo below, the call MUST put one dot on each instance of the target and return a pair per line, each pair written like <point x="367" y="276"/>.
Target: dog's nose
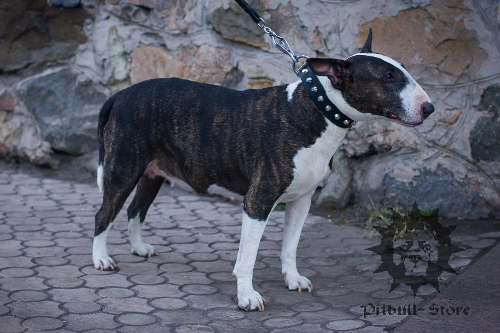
<point x="427" y="109"/>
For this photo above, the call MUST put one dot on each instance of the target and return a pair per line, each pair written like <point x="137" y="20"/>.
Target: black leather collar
<point x="318" y="94"/>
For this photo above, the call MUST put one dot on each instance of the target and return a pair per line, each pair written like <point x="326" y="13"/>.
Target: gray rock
<point x="438" y="189"/>
<point x="32" y="32"/>
<point x="65" y="109"/>
<point x="337" y="190"/>
<point x="484" y="138"/>
<point x="66" y="3"/>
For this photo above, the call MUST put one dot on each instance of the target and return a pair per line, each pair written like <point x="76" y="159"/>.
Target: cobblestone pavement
<point x="48" y="282"/>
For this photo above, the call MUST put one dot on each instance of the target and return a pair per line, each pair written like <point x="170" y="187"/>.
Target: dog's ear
<point x="336" y="70"/>
<point x="367" y="48"/>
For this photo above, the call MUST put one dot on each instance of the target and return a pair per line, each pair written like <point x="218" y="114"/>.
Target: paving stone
<point x="51" y="261"/>
<point x="183" y="316"/>
<point x="78" y="322"/>
<point x="43" y="323"/>
<point x="193" y="329"/>
<point x="116" y="292"/>
<point x="163" y="290"/>
<point x="324" y="316"/>
<point x="35" y="309"/>
<point x="29" y="296"/>
<point x="130" y="304"/>
<point x="29" y="283"/>
<point x="48" y="279"/>
<point x="316" y="328"/>
<point x="76" y="294"/>
<point x="188" y="278"/>
<point x="16" y="272"/>
<point x="212" y="301"/>
<point x="136" y="319"/>
<point x="198" y="289"/>
<point x="344" y="325"/>
<point x="480" y="244"/>
<point x="282" y="322"/>
<point x="114" y="280"/>
<point x="11" y="324"/>
<point x="167" y="303"/>
<point x="82" y="307"/>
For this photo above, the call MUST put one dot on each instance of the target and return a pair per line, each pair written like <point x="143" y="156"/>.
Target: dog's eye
<point x="389" y="76"/>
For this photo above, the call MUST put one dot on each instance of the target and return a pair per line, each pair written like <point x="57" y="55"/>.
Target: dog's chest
<point x="311" y="164"/>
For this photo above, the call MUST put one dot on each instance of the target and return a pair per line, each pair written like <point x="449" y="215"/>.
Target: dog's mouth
<point x="395" y="118"/>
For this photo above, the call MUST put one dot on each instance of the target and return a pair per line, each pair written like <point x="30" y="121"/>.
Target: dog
<point x="263" y="146"/>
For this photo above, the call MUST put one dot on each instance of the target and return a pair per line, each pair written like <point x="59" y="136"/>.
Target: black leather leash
<point x="310" y="81"/>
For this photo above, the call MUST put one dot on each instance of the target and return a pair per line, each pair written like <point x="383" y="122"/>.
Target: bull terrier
<point x="263" y="146"/>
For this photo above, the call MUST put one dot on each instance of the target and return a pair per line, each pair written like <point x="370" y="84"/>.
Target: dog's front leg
<point x="251" y="233"/>
<point x="295" y="216"/>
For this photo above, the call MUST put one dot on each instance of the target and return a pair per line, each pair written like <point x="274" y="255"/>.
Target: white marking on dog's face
<point x="370" y="85"/>
<point x="412" y="97"/>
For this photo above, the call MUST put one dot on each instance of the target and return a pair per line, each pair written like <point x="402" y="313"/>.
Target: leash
<point x="310" y="81"/>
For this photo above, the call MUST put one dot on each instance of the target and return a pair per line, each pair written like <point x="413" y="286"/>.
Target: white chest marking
<point x="311" y="163"/>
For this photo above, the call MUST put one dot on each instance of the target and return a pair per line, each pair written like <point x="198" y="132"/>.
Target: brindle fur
<point x="202" y="142"/>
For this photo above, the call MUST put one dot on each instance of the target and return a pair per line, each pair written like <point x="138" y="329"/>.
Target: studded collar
<point x="318" y="95"/>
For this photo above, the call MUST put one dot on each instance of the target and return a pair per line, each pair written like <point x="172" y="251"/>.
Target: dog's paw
<point x="104" y="263"/>
<point x="297" y="282"/>
<point x="251" y="300"/>
<point x="144" y="250"/>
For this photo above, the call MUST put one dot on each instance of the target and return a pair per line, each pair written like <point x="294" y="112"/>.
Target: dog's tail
<point x="103" y="120"/>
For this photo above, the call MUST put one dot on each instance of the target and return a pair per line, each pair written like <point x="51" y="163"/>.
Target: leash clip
<point x="282" y="45"/>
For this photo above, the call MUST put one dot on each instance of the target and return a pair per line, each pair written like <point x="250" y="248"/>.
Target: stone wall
<point x="60" y="62"/>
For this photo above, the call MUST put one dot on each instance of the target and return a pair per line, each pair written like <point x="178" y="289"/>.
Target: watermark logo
<point x="415" y="249"/>
<point x="412" y="310"/>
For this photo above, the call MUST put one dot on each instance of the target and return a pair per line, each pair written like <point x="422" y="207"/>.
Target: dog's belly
<point x="158" y="168"/>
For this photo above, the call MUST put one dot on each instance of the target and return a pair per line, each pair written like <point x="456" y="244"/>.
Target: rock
<point x="7" y="101"/>
<point x="434" y="36"/>
<point x="65" y="3"/>
<point x="336" y="192"/>
<point x="33" y="32"/>
<point x="205" y="64"/>
<point x="234" y="24"/>
<point x="20" y="137"/>
<point x="400" y="183"/>
<point x="484" y="138"/>
<point x="65" y="109"/>
<point x="117" y="55"/>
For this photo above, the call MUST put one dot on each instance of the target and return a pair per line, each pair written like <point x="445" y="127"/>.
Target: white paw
<point x="144" y="250"/>
<point x="251" y="300"/>
<point x="103" y="262"/>
<point x="295" y="281"/>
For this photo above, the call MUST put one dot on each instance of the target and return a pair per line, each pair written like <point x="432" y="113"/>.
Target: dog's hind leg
<point x="118" y="182"/>
<point x="295" y="216"/>
<point x="146" y="192"/>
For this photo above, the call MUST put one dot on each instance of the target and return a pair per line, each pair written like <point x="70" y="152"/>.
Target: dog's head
<point x="373" y="84"/>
